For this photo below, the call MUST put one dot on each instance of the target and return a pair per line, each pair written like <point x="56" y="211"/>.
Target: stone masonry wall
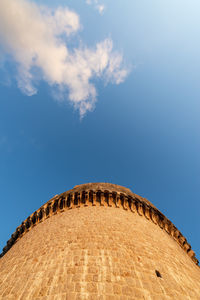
<point x="101" y="194"/>
<point x="98" y="241"/>
<point x="98" y="253"/>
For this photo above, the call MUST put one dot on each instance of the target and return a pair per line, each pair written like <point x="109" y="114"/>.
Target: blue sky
<point x="140" y="128"/>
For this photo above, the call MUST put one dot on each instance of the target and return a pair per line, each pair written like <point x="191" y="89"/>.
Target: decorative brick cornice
<point x="94" y="195"/>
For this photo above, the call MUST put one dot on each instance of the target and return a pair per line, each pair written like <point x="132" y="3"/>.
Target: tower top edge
<point x="102" y="185"/>
<point x="100" y="194"/>
<point x="105" y="186"/>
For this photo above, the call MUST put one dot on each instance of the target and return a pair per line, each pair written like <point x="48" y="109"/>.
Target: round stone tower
<point x="98" y="241"/>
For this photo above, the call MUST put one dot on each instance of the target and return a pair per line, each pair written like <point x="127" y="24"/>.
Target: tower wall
<point x="98" y="251"/>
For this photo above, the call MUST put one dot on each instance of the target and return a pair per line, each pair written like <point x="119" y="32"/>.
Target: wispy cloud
<point x="99" y="6"/>
<point x="37" y="39"/>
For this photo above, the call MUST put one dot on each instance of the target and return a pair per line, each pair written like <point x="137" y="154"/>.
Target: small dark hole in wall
<point x="158" y="273"/>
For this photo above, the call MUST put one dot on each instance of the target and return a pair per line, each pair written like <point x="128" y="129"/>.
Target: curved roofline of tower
<point x="100" y="194"/>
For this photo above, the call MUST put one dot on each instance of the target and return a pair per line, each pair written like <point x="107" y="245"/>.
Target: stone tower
<point x="98" y="241"/>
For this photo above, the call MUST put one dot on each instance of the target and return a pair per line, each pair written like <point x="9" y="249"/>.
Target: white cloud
<point x="101" y="8"/>
<point x="35" y="37"/>
<point x="97" y="5"/>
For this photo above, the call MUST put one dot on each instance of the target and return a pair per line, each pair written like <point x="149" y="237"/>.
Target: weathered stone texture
<point x="98" y="252"/>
